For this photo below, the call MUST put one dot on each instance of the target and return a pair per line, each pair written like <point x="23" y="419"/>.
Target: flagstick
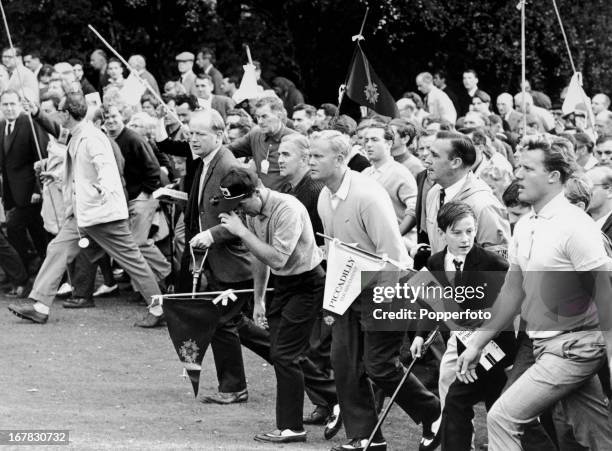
<point x="248" y="52"/>
<point x="569" y="53"/>
<point x="586" y="101"/>
<point x="385" y="412"/>
<point x="358" y="37"/>
<point x="523" y="59"/>
<point x="365" y="16"/>
<point x="144" y="82"/>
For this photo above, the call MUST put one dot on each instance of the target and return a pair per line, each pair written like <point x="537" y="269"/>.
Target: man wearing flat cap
<point x="187" y="78"/>
<point x="279" y="234"/>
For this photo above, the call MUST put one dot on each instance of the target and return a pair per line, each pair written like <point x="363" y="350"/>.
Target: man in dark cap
<point x="279" y="234"/>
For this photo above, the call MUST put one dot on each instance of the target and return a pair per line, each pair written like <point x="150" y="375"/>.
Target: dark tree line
<point x="309" y="41"/>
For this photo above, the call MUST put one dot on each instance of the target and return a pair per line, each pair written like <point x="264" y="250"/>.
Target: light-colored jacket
<point x="93" y="192"/>
<point x="493" y="229"/>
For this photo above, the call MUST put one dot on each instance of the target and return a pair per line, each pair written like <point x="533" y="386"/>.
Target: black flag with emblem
<point x="365" y="88"/>
<point x="191" y="325"/>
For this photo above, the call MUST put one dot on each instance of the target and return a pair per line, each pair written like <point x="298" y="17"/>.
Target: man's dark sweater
<point x="141" y="167"/>
<point x="307" y="191"/>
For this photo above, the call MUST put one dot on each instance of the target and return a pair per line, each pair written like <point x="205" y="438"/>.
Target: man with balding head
<point x="228" y="264"/>
<point x="439" y="104"/>
<point x="600" y="207"/>
<point x="527" y="106"/>
<point x="600" y="104"/>
<point x="511" y="118"/>
<point x="139" y="64"/>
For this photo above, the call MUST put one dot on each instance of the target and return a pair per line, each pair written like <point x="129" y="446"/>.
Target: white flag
<point x="249" y="89"/>
<point x="343" y="279"/>
<point x="576" y="97"/>
<point x="132" y="90"/>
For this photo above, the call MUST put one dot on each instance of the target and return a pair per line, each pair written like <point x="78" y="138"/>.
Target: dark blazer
<point x="222" y="104"/>
<point x="482" y="268"/>
<point x="229" y="260"/>
<point x="17" y="157"/>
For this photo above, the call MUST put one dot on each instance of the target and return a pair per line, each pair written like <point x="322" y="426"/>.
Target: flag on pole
<point x="132" y="90"/>
<point x="343" y="280"/>
<point x="366" y="89"/>
<point x="576" y="99"/>
<point x="249" y="89"/>
<point x="191" y="325"/>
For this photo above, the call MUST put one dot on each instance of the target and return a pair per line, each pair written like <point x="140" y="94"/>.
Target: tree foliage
<point x="309" y="41"/>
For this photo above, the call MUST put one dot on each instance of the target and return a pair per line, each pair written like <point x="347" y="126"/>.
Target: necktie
<point x="9" y="129"/>
<point x="457" y="264"/>
<point x="442" y="196"/>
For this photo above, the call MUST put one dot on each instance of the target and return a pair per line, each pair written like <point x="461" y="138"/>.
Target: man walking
<point x="279" y="234"/>
<point x="355" y="209"/>
<point x="96" y="208"/>
<point x="558" y="274"/>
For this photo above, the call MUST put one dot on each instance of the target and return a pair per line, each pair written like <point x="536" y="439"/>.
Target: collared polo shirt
<point x="560" y="238"/>
<point x="284" y="224"/>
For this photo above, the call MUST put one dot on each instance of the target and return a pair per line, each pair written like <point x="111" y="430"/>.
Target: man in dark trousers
<point x="293" y="154"/>
<point x="353" y="209"/>
<point x="21" y="192"/>
<point x="141" y="174"/>
<point x="279" y="234"/>
<point x="465" y="264"/>
<point x="228" y="263"/>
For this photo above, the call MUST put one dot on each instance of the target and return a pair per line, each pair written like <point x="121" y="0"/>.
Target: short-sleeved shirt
<point x="559" y="238"/>
<point x="285" y="225"/>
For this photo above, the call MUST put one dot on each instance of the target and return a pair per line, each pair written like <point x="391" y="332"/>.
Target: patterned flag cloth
<point x="365" y="88"/>
<point x="191" y="325"/>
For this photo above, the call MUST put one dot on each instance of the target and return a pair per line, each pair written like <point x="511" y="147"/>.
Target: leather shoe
<point x="318" y="416"/>
<point x="285" y="436"/>
<point x="151" y="321"/>
<point x="359" y="444"/>
<point x="226" y="398"/>
<point x="28" y="312"/>
<point x="431" y="435"/>
<point x="79" y="303"/>
<point x="334" y="423"/>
